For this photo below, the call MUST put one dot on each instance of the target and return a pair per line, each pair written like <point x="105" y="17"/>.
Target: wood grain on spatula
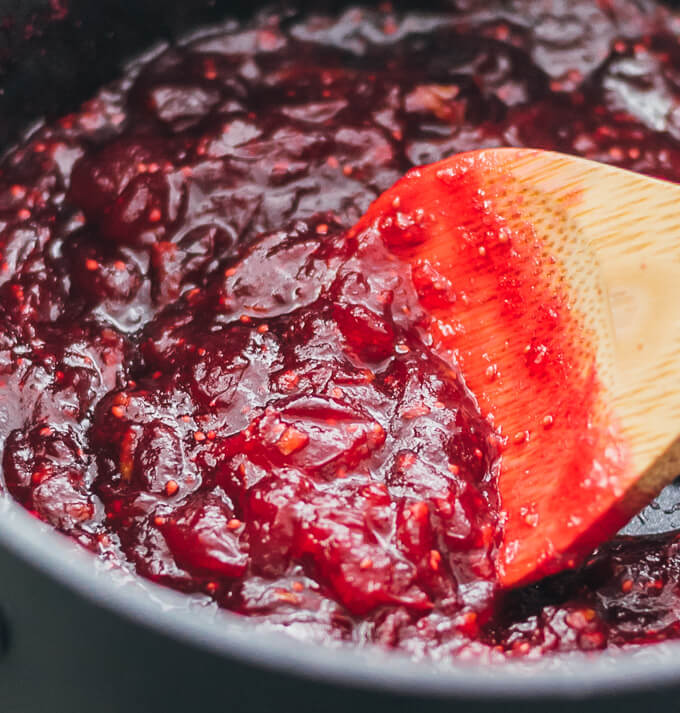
<point x="521" y="258"/>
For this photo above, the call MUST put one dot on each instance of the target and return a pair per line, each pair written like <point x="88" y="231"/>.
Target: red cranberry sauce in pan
<point x="205" y="379"/>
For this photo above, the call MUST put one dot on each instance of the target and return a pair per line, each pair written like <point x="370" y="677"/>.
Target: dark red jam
<point x="206" y="379"/>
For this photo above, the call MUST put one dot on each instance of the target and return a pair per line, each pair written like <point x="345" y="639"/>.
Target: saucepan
<point x="75" y="637"/>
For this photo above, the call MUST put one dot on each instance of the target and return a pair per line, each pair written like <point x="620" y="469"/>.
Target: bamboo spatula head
<point x="553" y="284"/>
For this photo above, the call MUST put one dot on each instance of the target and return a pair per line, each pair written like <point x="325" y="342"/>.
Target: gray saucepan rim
<point x="579" y="677"/>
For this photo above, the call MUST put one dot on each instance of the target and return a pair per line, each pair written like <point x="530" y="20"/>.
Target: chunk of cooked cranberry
<point x="58" y="380"/>
<point x="270" y="504"/>
<point x="295" y="263"/>
<point x="166" y="263"/>
<point x="143" y="544"/>
<point x="369" y="334"/>
<point x="361" y="304"/>
<point x="99" y="275"/>
<point x="18" y="242"/>
<point x="432" y="287"/>
<point x="206" y="539"/>
<point x="144" y="211"/>
<point x="35" y="295"/>
<point x="343" y="532"/>
<point x="77" y="368"/>
<point x="293" y="602"/>
<point x="414" y="529"/>
<point x="417" y="474"/>
<point x="98" y="178"/>
<point x="140" y="436"/>
<point x="47" y="471"/>
<point x="162" y="343"/>
<point x="321" y="437"/>
<point x="187" y="260"/>
<point x="181" y="106"/>
<point x="225" y="368"/>
<point x="203" y="247"/>
<point x="9" y="339"/>
<point x="216" y="367"/>
<point x="151" y="456"/>
<point x="63" y="500"/>
<point x="129" y="188"/>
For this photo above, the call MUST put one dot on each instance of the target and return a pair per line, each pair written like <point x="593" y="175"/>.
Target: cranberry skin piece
<point x="166" y="262"/>
<point x="157" y="458"/>
<point x="46" y="471"/>
<point x="34" y="296"/>
<point x="115" y="280"/>
<point x="369" y="334"/>
<point x="181" y="106"/>
<point x="135" y="216"/>
<point x="269" y="506"/>
<point x="321" y="437"/>
<point x="98" y="275"/>
<point x="342" y="538"/>
<point x="215" y="373"/>
<point x="100" y="177"/>
<point x="128" y="190"/>
<point x="140" y="443"/>
<point x="203" y="538"/>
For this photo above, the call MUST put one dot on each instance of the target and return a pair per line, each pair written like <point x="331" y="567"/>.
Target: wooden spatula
<point x="553" y="283"/>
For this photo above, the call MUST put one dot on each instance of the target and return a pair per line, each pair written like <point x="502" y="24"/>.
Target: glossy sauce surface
<point x="207" y="379"/>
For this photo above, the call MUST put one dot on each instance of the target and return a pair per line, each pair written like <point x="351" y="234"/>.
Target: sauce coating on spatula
<point x="502" y="309"/>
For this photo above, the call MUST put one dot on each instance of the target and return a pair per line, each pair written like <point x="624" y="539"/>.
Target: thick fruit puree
<point x="208" y="379"/>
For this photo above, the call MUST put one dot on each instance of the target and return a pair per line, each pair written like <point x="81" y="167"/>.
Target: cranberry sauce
<point x="206" y="378"/>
